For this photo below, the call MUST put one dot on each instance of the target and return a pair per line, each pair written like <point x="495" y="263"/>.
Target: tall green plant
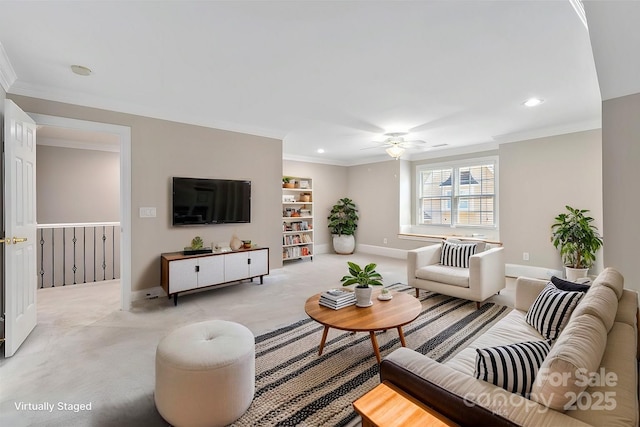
<point x="363" y="277"/>
<point x="343" y="218"/>
<point x="576" y="237"/>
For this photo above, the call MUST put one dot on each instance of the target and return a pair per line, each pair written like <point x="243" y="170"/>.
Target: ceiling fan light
<point x="395" y="151"/>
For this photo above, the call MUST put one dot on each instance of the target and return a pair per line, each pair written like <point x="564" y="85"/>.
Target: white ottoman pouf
<point x="205" y="374"/>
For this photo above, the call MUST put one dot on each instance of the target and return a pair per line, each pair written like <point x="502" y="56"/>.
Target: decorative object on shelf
<point x="197" y="243"/>
<point x="235" y="243"/>
<point x="246" y="244"/>
<point x="578" y="240"/>
<point x="385" y="295"/>
<point x="197" y="247"/>
<point x="343" y="221"/>
<point x="288" y="182"/>
<point x="363" y="278"/>
<point x="305" y="197"/>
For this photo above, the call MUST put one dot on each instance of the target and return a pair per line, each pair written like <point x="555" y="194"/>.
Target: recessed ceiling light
<point x="320" y="150"/>
<point x="81" y="70"/>
<point x="532" y="102"/>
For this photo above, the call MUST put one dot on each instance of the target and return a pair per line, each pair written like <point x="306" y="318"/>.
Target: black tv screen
<point x="210" y="201"/>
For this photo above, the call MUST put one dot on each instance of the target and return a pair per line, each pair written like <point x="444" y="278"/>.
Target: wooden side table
<point x="388" y="406"/>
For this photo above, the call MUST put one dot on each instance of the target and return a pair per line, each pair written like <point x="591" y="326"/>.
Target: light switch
<point x="147" y="212"/>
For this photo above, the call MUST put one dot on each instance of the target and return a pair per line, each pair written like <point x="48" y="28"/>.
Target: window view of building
<point x="458" y="195"/>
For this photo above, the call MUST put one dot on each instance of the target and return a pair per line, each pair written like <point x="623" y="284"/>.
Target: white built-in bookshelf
<point x="297" y="218"/>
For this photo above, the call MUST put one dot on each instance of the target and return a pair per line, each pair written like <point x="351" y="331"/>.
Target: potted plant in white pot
<point x="343" y="221"/>
<point x="578" y="240"/>
<point x="363" y="278"/>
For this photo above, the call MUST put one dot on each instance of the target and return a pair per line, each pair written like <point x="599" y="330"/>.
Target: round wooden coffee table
<point x="382" y="315"/>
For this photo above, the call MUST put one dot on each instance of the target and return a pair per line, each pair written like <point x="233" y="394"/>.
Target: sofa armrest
<point x="486" y="272"/>
<point x="527" y="290"/>
<point x="426" y="255"/>
<point x="452" y="406"/>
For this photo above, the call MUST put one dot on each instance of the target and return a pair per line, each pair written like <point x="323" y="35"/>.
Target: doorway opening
<point x="60" y="131"/>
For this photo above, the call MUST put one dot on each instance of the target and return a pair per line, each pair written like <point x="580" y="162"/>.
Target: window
<point x="457" y="195"/>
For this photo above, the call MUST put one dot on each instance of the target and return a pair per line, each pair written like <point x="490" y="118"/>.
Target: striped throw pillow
<point x="551" y="310"/>
<point x="512" y="367"/>
<point x="457" y="255"/>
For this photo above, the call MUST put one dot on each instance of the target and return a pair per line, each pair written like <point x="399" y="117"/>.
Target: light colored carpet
<point x="296" y="387"/>
<point x="85" y="350"/>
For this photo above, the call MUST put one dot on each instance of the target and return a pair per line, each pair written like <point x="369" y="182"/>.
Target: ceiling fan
<point x="396" y="144"/>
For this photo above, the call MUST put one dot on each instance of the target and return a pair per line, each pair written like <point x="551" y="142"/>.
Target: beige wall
<point x="376" y="190"/>
<point x="77" y="185"/>
<point x="162" y="149"/>
<point x="621" y="175"/>
<point x="329" y="185"/>
<point x="537" y="179"/>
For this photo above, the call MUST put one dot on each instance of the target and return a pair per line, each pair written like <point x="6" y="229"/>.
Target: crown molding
<point x="7" y="73"/>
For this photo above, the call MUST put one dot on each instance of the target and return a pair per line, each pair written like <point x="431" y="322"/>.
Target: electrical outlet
<point x="384" y="240"/>
<point x="525" y="256"/>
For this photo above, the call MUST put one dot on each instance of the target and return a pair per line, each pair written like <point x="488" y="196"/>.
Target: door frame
<point x="123" y="133"/>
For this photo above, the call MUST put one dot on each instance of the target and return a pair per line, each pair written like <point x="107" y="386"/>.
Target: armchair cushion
<point x="457" y="255"/>
<point x="442" y="274"/>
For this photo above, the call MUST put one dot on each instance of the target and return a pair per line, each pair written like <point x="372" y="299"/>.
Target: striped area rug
<point x="296" y="387"/>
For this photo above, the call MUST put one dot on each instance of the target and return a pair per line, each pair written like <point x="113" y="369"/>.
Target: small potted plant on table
<point x="363" y="278"/>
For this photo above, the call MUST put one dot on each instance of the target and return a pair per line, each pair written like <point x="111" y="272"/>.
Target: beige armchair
<point x="484" y="277"/>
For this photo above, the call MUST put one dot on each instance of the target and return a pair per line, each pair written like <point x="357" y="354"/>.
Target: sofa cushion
<point x="566" y="285"/>
<point x="449" y="275"/>
<point x="600" y="302"/>
<point x="577" y="353"/>
<point x="611" y="279"/>
<point x="457" y="255"/>
<point x="551" y="310"/>
<point x="512" y="367"/>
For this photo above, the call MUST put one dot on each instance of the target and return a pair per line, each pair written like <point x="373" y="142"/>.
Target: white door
<point x="20" y="226"/>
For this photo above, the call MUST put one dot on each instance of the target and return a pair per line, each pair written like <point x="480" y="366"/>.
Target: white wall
<point x="621" y="175"/>
<point x="537" y="179"/>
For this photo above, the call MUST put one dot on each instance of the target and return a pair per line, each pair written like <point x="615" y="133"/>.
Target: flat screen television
<point x="198" y="201"/>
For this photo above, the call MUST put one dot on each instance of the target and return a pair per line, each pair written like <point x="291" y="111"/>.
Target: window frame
<point x="455" y="197"/>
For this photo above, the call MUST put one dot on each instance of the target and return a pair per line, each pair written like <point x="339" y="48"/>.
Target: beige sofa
<point x="600" y="337"/>
<point x="484" y="277"/>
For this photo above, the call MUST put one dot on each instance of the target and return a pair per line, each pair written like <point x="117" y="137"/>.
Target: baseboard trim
<point x="517" y="270"/>
<point x="383" y="251"/>
<point x="148" y="293"/>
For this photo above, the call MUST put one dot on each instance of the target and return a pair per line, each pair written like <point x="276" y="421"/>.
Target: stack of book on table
<point x="337" y="298"/>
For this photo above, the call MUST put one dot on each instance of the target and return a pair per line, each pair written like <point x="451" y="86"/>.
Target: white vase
<point x="573" y="274"/>
<point x="363" y="296"/>
<point x="344" y="244"/>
